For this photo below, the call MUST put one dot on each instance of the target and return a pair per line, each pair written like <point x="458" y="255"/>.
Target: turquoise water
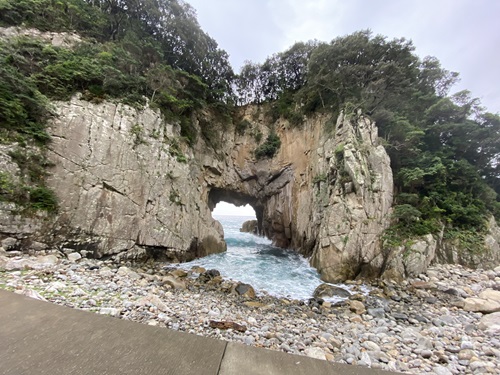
<point x="252" y="259"/>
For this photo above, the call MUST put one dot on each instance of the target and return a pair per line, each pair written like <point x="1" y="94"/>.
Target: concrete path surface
<point x="41" y="338"/>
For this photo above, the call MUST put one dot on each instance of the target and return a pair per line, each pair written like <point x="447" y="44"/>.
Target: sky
<point x="224" y="208"/>
<point x="463" y="34"/>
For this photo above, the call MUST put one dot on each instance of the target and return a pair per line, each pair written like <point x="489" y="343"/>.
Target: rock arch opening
<point x="228" y="209"/>
<point x="238" y="199"/>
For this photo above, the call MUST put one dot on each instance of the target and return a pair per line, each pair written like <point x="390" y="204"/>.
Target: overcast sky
<point x="463" y="34"/>
<point x="224" y="208"/>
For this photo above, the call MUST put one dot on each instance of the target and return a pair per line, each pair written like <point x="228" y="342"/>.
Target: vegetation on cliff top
<point x="444" y="148"/>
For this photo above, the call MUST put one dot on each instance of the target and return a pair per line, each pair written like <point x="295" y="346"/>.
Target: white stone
<point x="490" y="294"/>
<point x="73" y="257"/>
<point x="490" y="323"/>
<point x="316" y="353"/>
<point x="481" y="305"/>
<point x="47" y="260"/>
<point x="109" y="311"/>
<point x="440" y="370"/>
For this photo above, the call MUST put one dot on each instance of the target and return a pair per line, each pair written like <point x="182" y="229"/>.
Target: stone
<point x="37" y="246"/>
<point x="208" y="275"/>
<point x="197" y="269"/>
<point x="490" y="323"/>
<point x="249" y="226"/>
<point x="245" y="290"/>
<point x="106" y="272"/>
<point x="109" y="311"/>
<point x="357" y="307"/>
<point x="179" y="273"/>
<point x="466" y="354"/>
<point x="426" y="353"/>
<point x="227" y="325"/>
<point x="376" y="312"/>
<point x="127" y="272"/>
<point x="399" y="316"/>
<point x="47" y="259"/>
<point x="73" y="257"/>
<point x="174" y="283"/>
<point x="33" y="294"/>
<point x="9" y="243"/>
<point x="254" y="304"/>
<point x="441" y="370"/>
<point x="316" y="353"/>
<point x="481" y="305"/>
<point x="370" y="345"/>
<point x="490" y="294"/>
<point x="423" y="285"/>
<point x="329" y="291"/>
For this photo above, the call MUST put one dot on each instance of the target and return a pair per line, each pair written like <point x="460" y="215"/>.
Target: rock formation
<point x="124" y="186"/>
<point x="250" y="226"/>
<point x="127" y="185"/>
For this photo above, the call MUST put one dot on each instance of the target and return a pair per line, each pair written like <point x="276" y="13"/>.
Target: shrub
<point x="242" y="126"/>
<point x="269" y="148"/>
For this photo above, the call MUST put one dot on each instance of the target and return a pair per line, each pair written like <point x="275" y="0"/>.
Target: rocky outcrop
<point x="417" y="254"/>
<point x="56" y="39"/>
<point x="249" y="226"/>
<point x="123" y="185"/>
<point x="127" y="185"/>
<point x="326" y="194"/>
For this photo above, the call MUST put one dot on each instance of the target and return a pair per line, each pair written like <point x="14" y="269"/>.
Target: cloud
<point x="463" y="34"/>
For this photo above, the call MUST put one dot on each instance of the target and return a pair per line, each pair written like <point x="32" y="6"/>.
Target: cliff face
<point x="126" y="186"/>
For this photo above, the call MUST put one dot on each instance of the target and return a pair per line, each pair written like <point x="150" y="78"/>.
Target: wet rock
<point x="208" y="275"/>
<point x="245" y="290"/>
<point x="179" y="273"/>
<point x="198" y="269"/>
<point x="249" y="226"/>
<point x="328" y="291"/>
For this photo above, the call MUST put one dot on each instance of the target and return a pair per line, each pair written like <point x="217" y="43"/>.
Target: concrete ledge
<point x="43" y="338"/>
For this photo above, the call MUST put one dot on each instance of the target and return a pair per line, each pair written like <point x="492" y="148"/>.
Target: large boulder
<point x="329" y="291"/>
<point x="490" y="324"/>
<point x="249" y="226"/>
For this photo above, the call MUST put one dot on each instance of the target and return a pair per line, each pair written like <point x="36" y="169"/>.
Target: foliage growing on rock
<point x="269" y="148"/>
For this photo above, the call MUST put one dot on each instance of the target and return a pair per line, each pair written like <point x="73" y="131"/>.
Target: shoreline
<point x="421" y="325"/>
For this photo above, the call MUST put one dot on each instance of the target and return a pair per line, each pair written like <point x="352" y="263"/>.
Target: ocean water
<point x="253" y="260"/>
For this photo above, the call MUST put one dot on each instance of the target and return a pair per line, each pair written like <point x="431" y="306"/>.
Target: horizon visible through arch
<point x="228" y="209"/>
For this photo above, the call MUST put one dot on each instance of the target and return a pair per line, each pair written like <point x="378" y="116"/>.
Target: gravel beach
<point x="447" y="321"/>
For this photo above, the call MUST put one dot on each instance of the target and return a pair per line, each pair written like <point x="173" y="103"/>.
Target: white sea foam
<point x="252" y="259"/>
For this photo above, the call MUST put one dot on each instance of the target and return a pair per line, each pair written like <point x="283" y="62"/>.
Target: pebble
<point x="416" y="326"/>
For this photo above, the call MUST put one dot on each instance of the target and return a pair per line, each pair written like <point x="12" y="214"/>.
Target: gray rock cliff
<point x="124" y="189"/>
<point x="128" y="186"/>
